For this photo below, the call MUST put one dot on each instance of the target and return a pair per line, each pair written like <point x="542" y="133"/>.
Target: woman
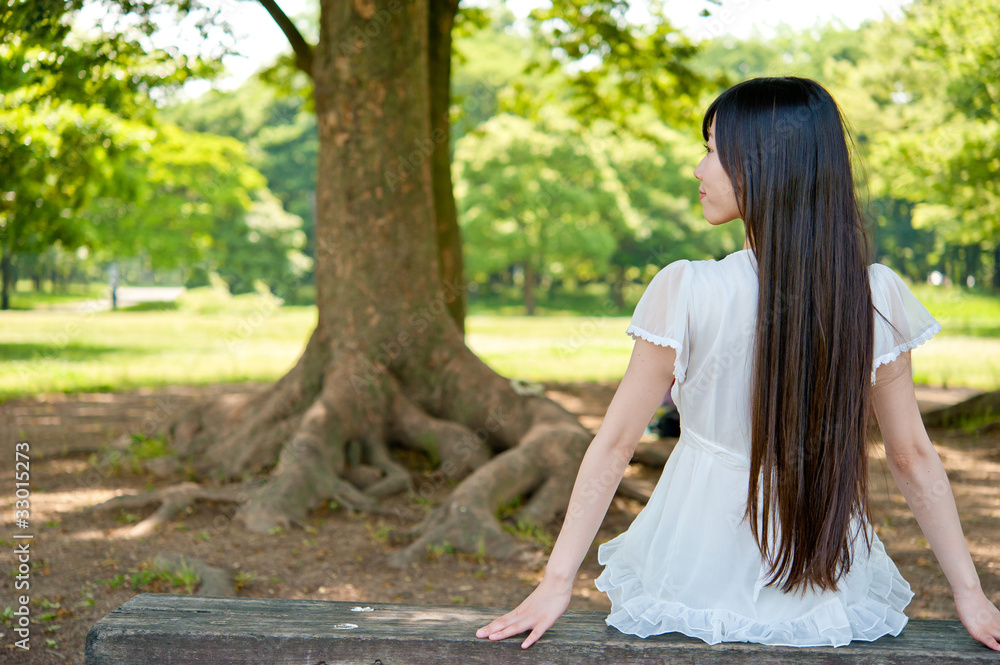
<point x="759" y="528"/>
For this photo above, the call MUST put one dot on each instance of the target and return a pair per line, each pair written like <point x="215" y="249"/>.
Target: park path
<point x="127" y="296"/>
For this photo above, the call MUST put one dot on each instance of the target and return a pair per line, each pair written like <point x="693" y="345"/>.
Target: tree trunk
<point x="996" y="267"/>
<point x="449" y="237"/>
<point x="977" y="412"/>
<point x="386" y="365"/>
<point x="529" y="288"/>
<point x="973" y="264"/>
<point x="618" y="289"/>
<point x="5" y="271"/>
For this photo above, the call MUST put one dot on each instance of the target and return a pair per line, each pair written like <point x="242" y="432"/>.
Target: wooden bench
<point x="163" y="628"/>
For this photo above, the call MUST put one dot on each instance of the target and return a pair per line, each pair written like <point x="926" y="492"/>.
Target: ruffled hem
<point x="636" y="332"/>
<point x="635" y="612"/>
<point x="906" y="346"/>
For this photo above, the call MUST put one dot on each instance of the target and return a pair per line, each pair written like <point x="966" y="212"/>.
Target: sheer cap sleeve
<point x="914" y="325"/>
<point x="661" y="316"/>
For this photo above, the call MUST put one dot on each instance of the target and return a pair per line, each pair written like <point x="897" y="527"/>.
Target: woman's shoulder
<point x="706" y="275"/>
<point x="880" y="270"/>
<point x="707" y="267"/>
<point x="736" y="270"/>
<point x="885" y="283"/>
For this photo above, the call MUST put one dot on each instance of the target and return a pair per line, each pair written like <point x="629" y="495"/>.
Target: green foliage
<point x="217" y="299"/>
<point x="144" y="447"/>
<point x="936" y="142"/>
<point x="533" y="197"/>
<point x="126" y="518"/>
<point x="625" y="71"/>
<point x="85" y="163"/>
<point x="151" y="577"/>
<point x="278" y="129"/>
<point x="379" y="533"/>
<point x="567" y="204"/>
<point x="202" y="204"/>
<point x="75" y="114"/>
<point x="54" y="158"/>
<point x="242" y="579"/>
<point x="532" y="532"/>
<point x="437" y="551"/>
<point x="508" y="508"/>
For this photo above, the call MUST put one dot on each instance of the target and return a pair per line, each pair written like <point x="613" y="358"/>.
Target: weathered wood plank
<point x="155" y="629"/>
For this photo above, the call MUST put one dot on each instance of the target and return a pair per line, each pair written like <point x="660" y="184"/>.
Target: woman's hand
<point x="537" y="613"/>
<point x="980" y="617"/>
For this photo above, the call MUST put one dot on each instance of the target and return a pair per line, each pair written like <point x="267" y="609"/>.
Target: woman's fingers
<point x="536" y="613"/>
<point x="518" y="626"/>
<point x="536" y="632"/>
<point x="496" y="625"/>
<point x="980" y="617"/>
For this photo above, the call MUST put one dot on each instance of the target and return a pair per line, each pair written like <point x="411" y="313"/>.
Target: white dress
<point x="688" y="563"/>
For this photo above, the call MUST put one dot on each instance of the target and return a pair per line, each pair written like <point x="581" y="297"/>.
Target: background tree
<point x="941" y="148"/>
<point x="64" y="138"/>
<point x="89" y="165"/>
<point x="564" y="202"/>
<point x="38" y="208"/>
<point x="278" y="128"/>
<point x="534" y="198"/>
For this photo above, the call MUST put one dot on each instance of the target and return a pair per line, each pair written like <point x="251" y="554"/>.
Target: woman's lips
<point x="701" y="195"/>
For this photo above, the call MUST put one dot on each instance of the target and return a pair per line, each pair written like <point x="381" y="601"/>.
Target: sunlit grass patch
<point x="251" y="340"/>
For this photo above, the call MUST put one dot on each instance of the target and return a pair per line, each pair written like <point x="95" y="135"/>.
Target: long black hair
<point x="783" y="142"/>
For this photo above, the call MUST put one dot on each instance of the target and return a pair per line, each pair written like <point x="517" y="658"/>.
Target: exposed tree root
<point x="546" y="444"/>
<point x="982" y="411"/>
<point x="172" y="500"/>
<point x="311" y="463"/>
<point x="456" y="448"/>
<point x="653" y="454"/>
<point x="396" y="478"/>
<point x="632" y="489"/>
<point x="244" y="434"/>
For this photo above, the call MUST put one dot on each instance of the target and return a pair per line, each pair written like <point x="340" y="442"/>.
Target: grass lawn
<point x="25" y="297"/>
<point x="58" y="351"/>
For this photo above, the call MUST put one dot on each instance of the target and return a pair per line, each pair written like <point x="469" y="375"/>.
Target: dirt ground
<point x="83" y="564"/>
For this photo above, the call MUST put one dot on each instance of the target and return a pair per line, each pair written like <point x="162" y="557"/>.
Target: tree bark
<point x="996" y="267"/>
<point x="5" y="272"/>
<point x="450" y="261"/>
<point x="618" y="288"/>
<point x="387" y="365"/>
<point x="529" y="288"/>
<point x="979" y="411"/>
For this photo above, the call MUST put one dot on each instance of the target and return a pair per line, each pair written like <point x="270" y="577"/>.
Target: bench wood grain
<point x="154" y="629"/>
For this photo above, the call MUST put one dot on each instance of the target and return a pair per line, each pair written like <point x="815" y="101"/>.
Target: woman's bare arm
<point x="920" y="475"/>
<point x="641" y="391"/>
